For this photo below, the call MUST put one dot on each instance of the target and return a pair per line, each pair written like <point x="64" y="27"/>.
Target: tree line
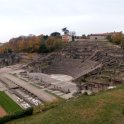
<point x="117" y="38"/>
<point x="32" y="43"/>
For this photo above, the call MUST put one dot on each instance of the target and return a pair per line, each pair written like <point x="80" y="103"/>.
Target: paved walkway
<point x="42" y="95"/>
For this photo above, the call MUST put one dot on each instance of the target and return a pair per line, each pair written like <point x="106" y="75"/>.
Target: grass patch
<point x="103" y="108"/>
<point x="8" y="104"/>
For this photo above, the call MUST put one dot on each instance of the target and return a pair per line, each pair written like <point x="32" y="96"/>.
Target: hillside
<point x="91" y="66"/>
<point x="103" y="108"/>
<point x="32" y="44"/>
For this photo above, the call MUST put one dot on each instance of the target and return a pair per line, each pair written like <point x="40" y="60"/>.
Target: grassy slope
<point x="103" y="108"/>
<point x="8" y="104"/>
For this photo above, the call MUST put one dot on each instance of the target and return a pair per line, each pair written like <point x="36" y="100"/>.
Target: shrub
<point x="16" y="115"/>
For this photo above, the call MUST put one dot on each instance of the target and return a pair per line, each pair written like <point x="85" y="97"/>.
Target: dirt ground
<point x="2" y="112"/>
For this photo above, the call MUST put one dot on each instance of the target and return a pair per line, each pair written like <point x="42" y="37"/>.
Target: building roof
<point x="106" y="34"/>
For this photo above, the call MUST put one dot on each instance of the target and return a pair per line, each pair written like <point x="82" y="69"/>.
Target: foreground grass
<point x="103" y="108"/>
<point x="8" y="104"/>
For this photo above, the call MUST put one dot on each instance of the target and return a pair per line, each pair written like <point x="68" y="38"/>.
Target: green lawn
<point x="103" y="108"/>
<point x="8" y="104"/>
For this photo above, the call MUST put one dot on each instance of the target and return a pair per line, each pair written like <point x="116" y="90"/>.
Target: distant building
<point x="98" y="37"/>
<point x="80" y="38"/>
<point x="103" y="36"/>
<point x="68" y="35"/>
<point x="66" y="38"/>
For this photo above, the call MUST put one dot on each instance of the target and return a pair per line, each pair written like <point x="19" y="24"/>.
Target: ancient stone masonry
<point x="99" y="62"/>
<point x="80" y="67"/>
<point x="7" y="59"/>
<point x="77" y="57"/>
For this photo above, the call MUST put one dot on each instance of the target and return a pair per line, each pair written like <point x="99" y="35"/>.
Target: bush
<point x="16" y="115"/>
<point x="46" y="107"/>
<point x="51" y="44"/>
<point x="123" y="111"/>
<point x="43" y="48"/>
<point x="49" y="106"/>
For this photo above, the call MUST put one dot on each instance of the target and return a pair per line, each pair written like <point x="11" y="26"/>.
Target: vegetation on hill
<point x="34" y="43"/>
<point x="117" y="38"/>
<point x="51" y="44"/>
<point x="45" y="43"/>
<point x="103" y="108"/>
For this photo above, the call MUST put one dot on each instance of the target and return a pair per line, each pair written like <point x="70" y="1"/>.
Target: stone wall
<point x="7" y="59"/>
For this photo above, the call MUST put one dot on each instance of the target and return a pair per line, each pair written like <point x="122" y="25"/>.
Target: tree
<point x="9" y="50"/>
<point x="84" y="36"/>
<point x="65" y="30"/>
<point x="55" y="34"/>
<point x="109" y="38"/>
<point x="50" y="45"/>
<point x="122" y="42"/>
<point x="43" y="48"/>
<point x="117" y="38"/>
<point x="45" y="37"/>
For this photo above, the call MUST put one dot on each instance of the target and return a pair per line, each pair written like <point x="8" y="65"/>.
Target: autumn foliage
<point x="32" y="44"/>
<point x="117" y="38"/>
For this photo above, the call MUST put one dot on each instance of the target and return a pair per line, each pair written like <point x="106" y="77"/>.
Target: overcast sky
<point x="24" y="17"/>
